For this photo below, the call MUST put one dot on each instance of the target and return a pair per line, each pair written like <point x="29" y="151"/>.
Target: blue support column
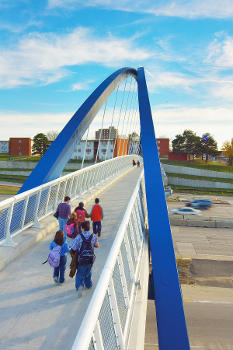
<point x="172" y="331"/>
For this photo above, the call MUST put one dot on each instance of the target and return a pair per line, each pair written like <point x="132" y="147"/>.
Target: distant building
<point x="163" y="146"/>
<point x="91" y="147"/>
<point x="177" y="156"/>
<point x="4" y="146"/>
<point x="106" y="134"/>
<point x="20" y="146"/>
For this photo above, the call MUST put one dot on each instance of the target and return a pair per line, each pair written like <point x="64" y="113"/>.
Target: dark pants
<point x="97" y="227"/>
<point x="60" y="270"/>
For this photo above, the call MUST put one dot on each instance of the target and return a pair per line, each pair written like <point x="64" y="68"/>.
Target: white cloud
<point x="170" y="8"/>
<point x="84" y="85"/>
<point x="172" y="121"/>
<point x="44" y="58"/>
<point x="170" y="80"/>
<point x="220" y="51"/>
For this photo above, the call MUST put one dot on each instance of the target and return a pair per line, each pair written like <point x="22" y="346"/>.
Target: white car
<point x="183" y="211"/>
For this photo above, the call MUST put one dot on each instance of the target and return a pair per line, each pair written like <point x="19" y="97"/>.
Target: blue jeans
<point x="62" y="224"/>
<point x="97" y="227"/>
<point x="83" y="276"/>
<point x="60" y="270"/>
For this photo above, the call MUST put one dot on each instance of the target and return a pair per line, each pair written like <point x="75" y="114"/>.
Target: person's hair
<point x="67" y="198"/>
<point x="97" y="200"/>
<point x="80" y="205"/>
<point x="73" y="216"/>
<point x="85" y="225"/>
<point x="59" y="237"/>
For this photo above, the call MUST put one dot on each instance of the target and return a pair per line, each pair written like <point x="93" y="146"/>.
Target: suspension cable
<point x="129" y="124"/>
<point x="112" y="123"/>
<point x="85" y="147"/>
<point x="100" y="133"/>
<point x="119" y="116"/>
<point x="125" y="113"/>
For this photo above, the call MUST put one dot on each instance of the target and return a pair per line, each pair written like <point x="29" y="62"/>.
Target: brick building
<point x="163" y="146"/>
<point x="20" y="146"/>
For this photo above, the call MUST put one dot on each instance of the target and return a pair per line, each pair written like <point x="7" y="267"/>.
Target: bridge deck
<point x="37" y="314"/>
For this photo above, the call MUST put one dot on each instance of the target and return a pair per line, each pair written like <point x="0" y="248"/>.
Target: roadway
<point x="35" y="313"/>
<point x="209" y="317"/>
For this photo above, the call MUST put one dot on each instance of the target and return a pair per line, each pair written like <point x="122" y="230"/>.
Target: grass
<point x="15" y="169"/>
<point x="199" y="164"/>
<point x="202" y="178"/>
<point x="12" y="190"/>
<point x="202" y="191"/>
<point x="13" y="178"/>
<point x="5" y="156"/>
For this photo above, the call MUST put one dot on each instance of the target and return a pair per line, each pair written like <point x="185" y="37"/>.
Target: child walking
<point x="97" y="216"/>
<point x="84" y="245"/>
<point x="59" y="272"/>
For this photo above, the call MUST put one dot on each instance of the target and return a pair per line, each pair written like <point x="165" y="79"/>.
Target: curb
<point x="209" y="271"/>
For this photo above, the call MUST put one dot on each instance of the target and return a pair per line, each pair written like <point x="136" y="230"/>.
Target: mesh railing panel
<point x="3" y="222"/>
<point x="118" y="287"/>
<point x="107" y="325"/>
<point x="30" y="212"/>
<point x="125" y="257"/>
<point x="16" y="220"/>
<point x="52" y="197"/>
<point x="43" y="201"/>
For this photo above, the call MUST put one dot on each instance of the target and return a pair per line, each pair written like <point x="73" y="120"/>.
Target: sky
<point x="54" y="53"/>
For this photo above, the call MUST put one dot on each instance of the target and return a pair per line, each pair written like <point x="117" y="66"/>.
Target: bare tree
<point x="52" y="135"/>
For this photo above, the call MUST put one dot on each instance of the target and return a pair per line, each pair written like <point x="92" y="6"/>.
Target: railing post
<point x="116" y="316"/>
<point x="8" y="242"/>
<point x="98" y="337"/>
<point x="36" y="223"/>
<point x="24" y="211"/>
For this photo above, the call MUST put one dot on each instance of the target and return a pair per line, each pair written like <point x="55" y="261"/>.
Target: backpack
<point x="86" y="254"/>
<point x="80" y="215"/>
<point x="70" y="230"/>
<point x="54" y="256"/>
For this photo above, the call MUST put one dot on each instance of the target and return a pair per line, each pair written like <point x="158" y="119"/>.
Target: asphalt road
<point x="209" y="317"/>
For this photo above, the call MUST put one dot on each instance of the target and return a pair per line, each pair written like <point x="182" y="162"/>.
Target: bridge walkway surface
<point x="35" y="313"/>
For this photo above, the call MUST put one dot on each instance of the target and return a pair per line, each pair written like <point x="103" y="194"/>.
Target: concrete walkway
<point x="34" y="312"/>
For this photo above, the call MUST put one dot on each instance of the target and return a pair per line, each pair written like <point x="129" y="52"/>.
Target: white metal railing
<point x="106" y="323"/>
<point x="26" y="209"/>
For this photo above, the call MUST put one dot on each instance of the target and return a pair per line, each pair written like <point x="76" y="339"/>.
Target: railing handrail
<point x="54" y="182"/>
<point x="87" y="327"/>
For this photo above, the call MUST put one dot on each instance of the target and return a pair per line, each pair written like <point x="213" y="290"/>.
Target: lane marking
<point x="209" y="302"/>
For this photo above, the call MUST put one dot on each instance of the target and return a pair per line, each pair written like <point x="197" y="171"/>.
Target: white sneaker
<point x="80" y="291"/>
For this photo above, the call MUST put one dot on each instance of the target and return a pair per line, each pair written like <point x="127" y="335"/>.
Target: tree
<point x="227" y="150"/>
<point x="208" y="147"/>
<point x="186" y="143"/>
<point x="40" y="144"/>
<point x="52" y="135"/>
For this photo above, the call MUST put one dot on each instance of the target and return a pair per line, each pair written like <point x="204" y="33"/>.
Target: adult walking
<point x="84" y="244"/>
<point x="64" y="211"/>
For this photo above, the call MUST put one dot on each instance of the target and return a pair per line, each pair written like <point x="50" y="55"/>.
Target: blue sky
<point x="54" y="53"/>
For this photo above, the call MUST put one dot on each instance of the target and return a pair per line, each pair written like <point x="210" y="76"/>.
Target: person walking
<point x="64" y="211"/>
<point x="72" y="229"/>
<point x="59" y="272"/>
<point x="84" y="245"/>
<point x="97" y="216"/>
<point x="81" y="214"/>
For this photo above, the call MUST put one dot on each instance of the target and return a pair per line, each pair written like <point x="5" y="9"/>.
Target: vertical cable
<point x="100" y="134"/>
<point x="85" y="147"/>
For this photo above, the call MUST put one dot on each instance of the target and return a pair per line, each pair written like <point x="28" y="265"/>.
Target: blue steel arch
<point x="54" y="160"/>
<point x="172" y="331"/>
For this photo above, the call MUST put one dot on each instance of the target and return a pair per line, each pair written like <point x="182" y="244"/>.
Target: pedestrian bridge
<point x="38" y="314"/>
<point x="35" y="313"/>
